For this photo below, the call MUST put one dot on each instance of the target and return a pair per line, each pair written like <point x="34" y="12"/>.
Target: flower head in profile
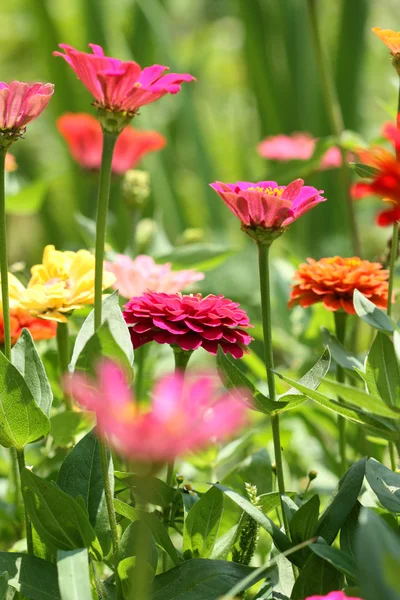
<point x="266" y="209"/>
<point x="391" y="39"/>
<point x="64" y="281"/>
<point x="388" y="217"/>
<point x="120" y="87"/>
<point x="333" y="596"/>
<point x="11" y="163"/>
<point x="20" y="104"/>
<point x="83" y="135"/>
<point x="135" y="277"/>
<point x="332" y="281"/>
<point x="185" y="415"/>
<point x="188" y="321"/>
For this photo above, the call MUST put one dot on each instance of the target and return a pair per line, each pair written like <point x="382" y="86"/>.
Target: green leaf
<point x="81" y="476"/>
<point x="256" y="469"/>
<point x="66" y="425"/>
<point x="312" y="379"/>
<point x="382" y="369"/>
<point x="224" y="544"/>
<point x="317" y="577"/>
<point x="112" y="316"/>
<point x="371" y="314"/>
<point x="337" y="558"/>
<point x="202" y="524"/>
<point x="135" y="539"/>
<point x="304" y="521"/>
<point x="348" y="531"/>
<point x="200" y="256"/>
<point x="57" y="517"/>
<point x="138" y="554"/>
<point x="28" y="362"/>
<point x="342" y="502"/>
<point x="385" y="483"/>
<point x="378" y="558"/>
<point x="33" y="577"/>
<point x="151" y="490"/>
<point x="21" y="420"/>
<point x="28" y="200"/>
<point x="198" y="579"/>
<point x="73" y="574"/>
<point x="4" y="585"/>
<point x="340" y="354"/>
<point x="361" y="399"/>
<point x="158" y="530"/>
<point x="364" y="170"/>
<point x="272" y="500"/>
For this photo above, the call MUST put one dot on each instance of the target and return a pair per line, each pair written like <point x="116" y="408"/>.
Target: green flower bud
<point x="136" y="188"/>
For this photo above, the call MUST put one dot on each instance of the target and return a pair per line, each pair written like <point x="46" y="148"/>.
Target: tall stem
<point x="28" y="524"/>
<point x="109" y="140"/>
<point x="3" y="258"/>
<point x="340" y="326"/>
<point x="334" y="111"/>
<point x="263" y="263"/>
<point x="63" y="357"/>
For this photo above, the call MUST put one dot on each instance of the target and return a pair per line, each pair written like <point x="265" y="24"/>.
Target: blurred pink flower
<point x="21" y="103"/>
<point x="185" y="414"/>
<point x="11" y="163"/>
<point x="120" y="86"/>
<point x="188" y="321"/>
<point x="135" y="277"/>
<point x="333" y="596"/>
<point x="266" y="205"/>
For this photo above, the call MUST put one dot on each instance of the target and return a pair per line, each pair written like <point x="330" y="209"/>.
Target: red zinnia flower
<point x="21" y="319"/>
<point x="120" y="86"/>
<point x="188" y="321"/>
<point x="85" y="140"/>
<point x="388" y="217"/>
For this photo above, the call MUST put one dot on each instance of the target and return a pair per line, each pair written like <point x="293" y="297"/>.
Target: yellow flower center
<point x="267" y="190"/>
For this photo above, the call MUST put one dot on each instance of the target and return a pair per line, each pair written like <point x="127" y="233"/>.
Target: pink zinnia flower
<point x="120" y="86"/>
<point x="185" y="414"/>
<point x="135" y="277"/>
<point x="85" y="140"/>
<point x="298" y="146"/>
<point x="21" y="103"/>
<point x="266" y="205"/>
<point x="189" y="322"/>
<point x="333" y="596"/>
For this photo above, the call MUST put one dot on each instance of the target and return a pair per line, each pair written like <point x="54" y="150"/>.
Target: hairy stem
<point x="340" y="326"/>
<point x="28" y="524"/>
<point x="63" y="357"/>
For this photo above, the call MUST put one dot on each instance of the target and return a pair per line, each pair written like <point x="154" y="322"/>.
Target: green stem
<point x="28" y="524"/>
<point x="109" y="140"/>
<point x="111" y="514"/>
<point x="334" y="111"/>
<point x="392" y="267"/>
<point x="63" y="357"/>
<point x="140" y="361"/>
<point x="340" y="326"/>
<point x="3" y="258"/>
<point x="263" y="263"/>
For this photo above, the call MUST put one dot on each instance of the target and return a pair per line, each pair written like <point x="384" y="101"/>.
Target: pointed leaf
<point x="317" y="578"/>
<point x="371" y="314"/>
<point x="33" y="577"/>
<point x="338" y="559"/>
<point x="73" y="575"/>
<point x="202" y="524"/>
<point x="304" y="521"/>
<point x="340" y="354"/>
<point x="382" y="368"/>
<point x="101" y="345"/>
<point x="361" y="399"/>
<point x="150" y="489"/>
<point x="385" y="483"/>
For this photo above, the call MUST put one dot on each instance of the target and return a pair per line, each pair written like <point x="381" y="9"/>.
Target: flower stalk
<point x="3" y="257"/>
<point x="63" y="358"/>
<point x="340" y="327"/>
<point x="28" y="524"/>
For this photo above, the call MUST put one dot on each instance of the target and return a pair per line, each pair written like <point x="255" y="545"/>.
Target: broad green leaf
<point x="21" y="420"/>
<point x="73" y="574"/>
<point x="33" y="577"/>
<point x="199" y="579"/>
<point x="378" y="558"/>
<point x="385" y="483"/>
<point x="225" y="543"/>
<point x="361" y="399"/>
<point x="112" y="315"/>
<point x="272" y="500"/>
<point x="28" y="200"/>
<point x="4" y="585"/>
<point x="382" y="368"/>
<point x="364" y="170"/>
<point x="64" y="426"/>
<point x="151" y="490"/>
<point x="340" y="354"/>
<point x="138" y="539"/>
<point x="304" y="521"/>
<point x="371" y="314"/>
<point x="57" y="517"/>
<point x="28" y="362"/>
<point x="348" y="531"/>
<point x="342" y="502"/>
<point x="101" y="345"/>
<point x="311" y="380"/>
<point x="81" y="476"/>
<point x="200" y="256"/>
<point x="158" y="530"/>
<point x="337" y="558"/>
<point x="202" y="525"/>
<point x="317" y="577"/>
<point x="256" y="469"/>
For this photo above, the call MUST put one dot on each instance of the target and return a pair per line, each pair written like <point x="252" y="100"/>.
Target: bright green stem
<point x="140" y="362"/>
<point x="392" y="268"/>
<point x="334" y="111"/>
<point x="340" y="326"/>
<point x="109" y="140"/>
<point x="63" y="357"/>
<point x="28" y="524"/>
<point x="3" y="258"/>
<point x="263" y="263"/>
<point x="111" y="514"/>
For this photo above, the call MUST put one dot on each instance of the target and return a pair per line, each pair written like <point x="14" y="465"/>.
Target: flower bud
<point x="145" y="232"/>
<point x="312" y="475"/>
<point x="273" y="467"/>
<point x="136" y="188"/>
<point x="179" y="479"/>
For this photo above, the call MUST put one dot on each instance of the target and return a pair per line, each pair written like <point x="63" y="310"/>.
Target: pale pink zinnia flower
<point x="298" y="146"/>
<point x="188" y="322"/>
<point x="135" y="277"/>
<point x="185" y="414"/>
<point x="267" y="205"/>
<point x="333" y="596"/>
<point x="21" y="103"/>
<point x="121" y="86"/>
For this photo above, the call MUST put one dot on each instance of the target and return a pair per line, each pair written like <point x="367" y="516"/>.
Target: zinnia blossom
<point x="119" y="86"/>
<point x="21" y="103"/>
<point x="332" y="281"/>
<point x="10" y="164"/>
<point x="135" y="277"/>
<point x="333" y="596"/>
<point x="64" y="281"/>
<point x="189" y="322"/>
<point x="85" y="140"/>
<point x="388" y="217"/>
<point x="185" y="415"/>
<point x="390" y="38"/>
<point x="267" y="205"/>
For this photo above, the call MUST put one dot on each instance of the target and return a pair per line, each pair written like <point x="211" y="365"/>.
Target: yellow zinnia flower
<point x="63" y="282"/>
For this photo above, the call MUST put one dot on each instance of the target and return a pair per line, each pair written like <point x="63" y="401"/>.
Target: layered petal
<point x="21" y="103"/>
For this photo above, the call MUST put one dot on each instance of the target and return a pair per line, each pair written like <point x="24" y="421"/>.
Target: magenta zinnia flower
<point x="21" y="103"/>
<point x="333" y="596"/>
<point x="120" y="86"/>
<point x="185" y="414"/>
<point x="189" y="322"/>
<point x="135" y="277"/>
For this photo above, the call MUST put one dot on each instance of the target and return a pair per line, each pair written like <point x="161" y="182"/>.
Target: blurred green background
<point x="256" y="76"/>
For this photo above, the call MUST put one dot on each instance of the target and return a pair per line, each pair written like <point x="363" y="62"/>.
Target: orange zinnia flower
<point x="332" y="281"/>
<point x="20" y="319"/>
<point x="390" y="38"/>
